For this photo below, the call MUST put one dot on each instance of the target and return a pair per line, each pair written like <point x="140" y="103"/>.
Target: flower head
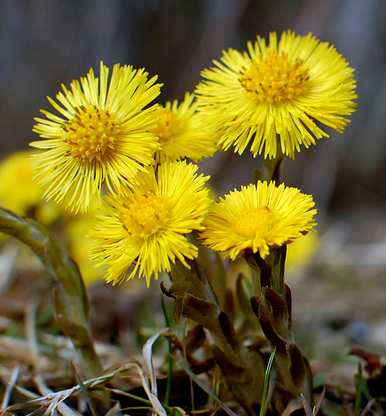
<point x="145" y="230"/>
<point x="276" y="96"/>
<point x="180" y="132"/>
<point x="100" y="136"/>
<point x="258" y="217"/>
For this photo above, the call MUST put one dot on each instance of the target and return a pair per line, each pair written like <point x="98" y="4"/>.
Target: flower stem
<point x="271" y="169"/>
<point x="70" y="297"/>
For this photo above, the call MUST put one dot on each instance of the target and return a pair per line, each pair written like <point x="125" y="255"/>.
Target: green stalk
<point x="70" y="297"/>
<point x="271" y="169"/>
<point x="267" y="378"/>
<point x="170" y="358"/>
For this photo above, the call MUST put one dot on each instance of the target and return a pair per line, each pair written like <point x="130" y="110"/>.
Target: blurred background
<point x="342" y="290"/>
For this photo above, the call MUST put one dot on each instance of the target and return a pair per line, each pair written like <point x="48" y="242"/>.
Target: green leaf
<point x="265" y="398"/>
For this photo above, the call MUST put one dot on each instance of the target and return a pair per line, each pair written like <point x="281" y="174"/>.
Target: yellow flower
<point x="276" y="96"/>
<point x="180" y="132"/>
<point x="146" y="229"/>
<point x="100" y="136"/>
<point x="300" y="253"/>
<point x="19" y="193"/>
<point x="80" y="243"/>
<point x="258" y="217"/>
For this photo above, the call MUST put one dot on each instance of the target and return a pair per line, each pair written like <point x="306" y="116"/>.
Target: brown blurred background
<point x="44" y="43"/>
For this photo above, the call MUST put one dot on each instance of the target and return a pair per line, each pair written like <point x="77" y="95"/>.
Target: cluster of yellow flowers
<point x="109" y="146"/>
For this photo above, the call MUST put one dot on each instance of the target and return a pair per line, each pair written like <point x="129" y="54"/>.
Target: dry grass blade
<point x="58" y="406"/>
<point x="83" y="390"/>
<point x="368" y="407"/>
<point x="26" y="393"/>
<point x="207" y="390"/>
<point x="147" y="352"/>
<point x="130" y="395"/>
<point x="10" y="387"/>
<point x="115" y="410"/>
<point x="53" y="401"/>
<point x="62" y="395"/>
<point x="292" y="407"/>
<point x="317" y="406"/>
<point x="157" y="406"/>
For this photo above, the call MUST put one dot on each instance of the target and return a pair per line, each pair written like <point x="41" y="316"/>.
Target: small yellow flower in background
<point x="145" y="230"/>
<point x="100" y="136"/>
<point x="258" y="217"/>
<point x="80" y="244"/>
<point x="301" y="251"/>
<point x="180" y="132"/>
<point x="275" y="96"/>
<point x="19" y="193"/>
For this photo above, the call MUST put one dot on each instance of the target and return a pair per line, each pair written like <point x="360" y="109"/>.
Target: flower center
<point x="275" y="79"/>
<point x="255" y="222"/>
<point x="167" y="127"/>
<point x="91" y="134"/>
<point x="146" y="215"/>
